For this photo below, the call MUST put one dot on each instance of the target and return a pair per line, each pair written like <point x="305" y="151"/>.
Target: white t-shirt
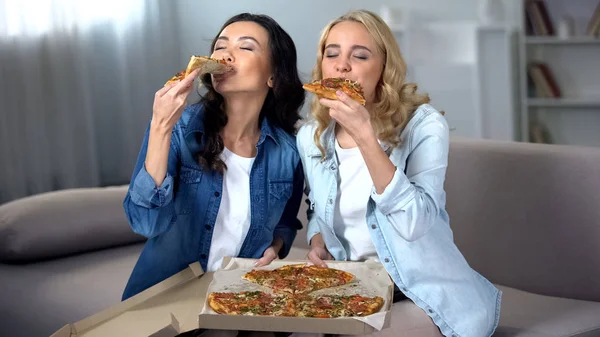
<point x="350" y="217"/>
<point x="233" y="219"/>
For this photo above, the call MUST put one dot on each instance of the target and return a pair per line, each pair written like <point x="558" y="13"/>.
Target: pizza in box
<point x="296" y="291"/>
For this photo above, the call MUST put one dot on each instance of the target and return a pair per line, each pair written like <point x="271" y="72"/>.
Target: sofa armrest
<point x="65" y="222"/>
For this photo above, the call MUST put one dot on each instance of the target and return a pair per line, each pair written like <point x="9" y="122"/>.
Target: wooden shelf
<point x="573" y="66"/>
<point x="553" y="40"/>
<point x="563" y="102"/>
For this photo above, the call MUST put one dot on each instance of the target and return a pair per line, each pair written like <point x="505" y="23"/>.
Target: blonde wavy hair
<point x="395" y="100"/>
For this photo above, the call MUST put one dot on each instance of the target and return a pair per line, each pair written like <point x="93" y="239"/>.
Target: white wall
<point x="304" y="20"/>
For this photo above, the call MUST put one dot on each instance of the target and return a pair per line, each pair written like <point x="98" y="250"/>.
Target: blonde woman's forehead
<point x="350" y="33"/>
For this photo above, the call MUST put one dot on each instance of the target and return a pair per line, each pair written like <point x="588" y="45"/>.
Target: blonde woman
<point x="375" y="180"/>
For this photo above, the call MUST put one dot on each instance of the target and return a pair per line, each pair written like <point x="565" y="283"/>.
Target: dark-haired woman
<point x="221" y="177"/>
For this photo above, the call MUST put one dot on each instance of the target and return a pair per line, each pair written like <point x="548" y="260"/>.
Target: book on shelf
<point x="538" y="21"/>
<point x="539" y="133"/>
<point x="543" y="80"/>
<point x="593" y="27"/>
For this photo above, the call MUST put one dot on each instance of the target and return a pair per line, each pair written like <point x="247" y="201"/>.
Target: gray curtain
<point x="77" y="81"/>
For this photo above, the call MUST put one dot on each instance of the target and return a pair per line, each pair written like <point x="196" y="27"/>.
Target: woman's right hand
<point x="318" y="252"/>
<point x="170" y="101"/>
<point x="317" y="255"/>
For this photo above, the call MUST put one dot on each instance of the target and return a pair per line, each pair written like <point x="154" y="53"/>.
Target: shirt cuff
<point x="145" y="193"/>
<point x="311" y="231"/>
<point x="397" y="194"/>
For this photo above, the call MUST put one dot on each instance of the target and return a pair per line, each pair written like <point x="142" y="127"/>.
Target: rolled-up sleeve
<point x="149" y="208"/>
<point x="411" y="201"/>
<point x="145" y="193"/>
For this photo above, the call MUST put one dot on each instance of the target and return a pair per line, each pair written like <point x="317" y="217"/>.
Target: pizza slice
<point x="281" y="280"/>
<point x="312" y="278"/>
<point x="299" y="278"/>
<point x="331" y="306"/>
<point x="205" y="64"/>
<point x="251" y="303"/>
<point x="327" y="87"/>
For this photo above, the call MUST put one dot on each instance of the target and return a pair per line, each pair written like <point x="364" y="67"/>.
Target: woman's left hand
<point x="351" y="115"/>
<point x="270" y="253"/>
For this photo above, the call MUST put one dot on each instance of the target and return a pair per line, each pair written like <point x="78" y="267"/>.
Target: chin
<point x="226" y="89"/>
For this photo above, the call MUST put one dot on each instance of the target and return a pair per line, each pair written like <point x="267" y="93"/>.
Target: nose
<point x="342" y="66"/>
<point x="227" y="56"/>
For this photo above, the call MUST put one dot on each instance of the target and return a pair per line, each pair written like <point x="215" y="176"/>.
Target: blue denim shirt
<point x="178" y="217"/>
<point x="409" y="225"/>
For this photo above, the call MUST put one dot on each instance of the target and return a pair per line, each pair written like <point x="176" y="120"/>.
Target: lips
<point x="223" y="76"/>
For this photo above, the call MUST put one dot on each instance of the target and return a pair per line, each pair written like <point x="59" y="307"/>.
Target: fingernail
<point x="339" y="93"/>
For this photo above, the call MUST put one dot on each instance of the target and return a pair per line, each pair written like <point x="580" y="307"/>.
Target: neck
<point x="242" y="117"/>
<point x="370" y="106"/>
<point x="343" y="137"/>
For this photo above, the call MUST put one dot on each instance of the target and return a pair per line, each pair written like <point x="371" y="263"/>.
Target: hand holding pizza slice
<point x="326" y="88"/>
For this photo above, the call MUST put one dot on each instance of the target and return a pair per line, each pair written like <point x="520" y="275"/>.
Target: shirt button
<point x="430" y="311"/>
<point x="331" y="201"/>
<point x="332" y="167"/>
<point x="208" y="227"/>
<point x="203" y="256"/>
<point x="386" y="260"/>
<point x="373" y="226"/>
<point x="217" y="194"/>
<point x="404" y="289"/>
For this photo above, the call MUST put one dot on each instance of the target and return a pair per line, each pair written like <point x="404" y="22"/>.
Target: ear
<point x="270" y="82"/>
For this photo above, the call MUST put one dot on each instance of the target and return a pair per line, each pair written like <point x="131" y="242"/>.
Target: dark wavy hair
<point x="282" y="104"/>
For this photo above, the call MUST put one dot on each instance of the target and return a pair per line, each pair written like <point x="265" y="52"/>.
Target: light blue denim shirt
<point x="408" y="224"/>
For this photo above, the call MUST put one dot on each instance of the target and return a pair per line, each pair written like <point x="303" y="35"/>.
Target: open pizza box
<point x="178" y="304"/>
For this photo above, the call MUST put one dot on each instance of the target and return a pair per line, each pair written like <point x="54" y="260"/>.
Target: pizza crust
<point x="321" y="91"/>
<point x="205" y="63"/>
<point x="217" y="305"/>
<point x="346" y="86"/>
<point x="375" y="306"/>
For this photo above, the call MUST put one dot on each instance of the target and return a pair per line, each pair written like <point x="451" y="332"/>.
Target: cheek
<point x="371" y="79"/>
<point x="255" y="69"/>
<point x="327" y="69"/>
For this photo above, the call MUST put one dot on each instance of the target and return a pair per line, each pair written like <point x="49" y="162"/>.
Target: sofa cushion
<point x="63" y="222"/>
<point x="297" y="253"/>
<point x="525" y="314"/>
<point x="527" y="215"/>
<point x="40" y="298"/>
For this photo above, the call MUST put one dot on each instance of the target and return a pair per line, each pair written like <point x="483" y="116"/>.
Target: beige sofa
<point x="526" y="216"/>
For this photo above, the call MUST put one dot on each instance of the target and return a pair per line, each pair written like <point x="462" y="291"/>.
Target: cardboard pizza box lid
<point x="163" y="310"/>
<point x="174" y="306"/>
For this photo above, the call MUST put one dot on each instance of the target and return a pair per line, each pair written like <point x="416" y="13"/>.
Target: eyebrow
<point x="225" y="38"/>
<point x="356" y="46"/>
